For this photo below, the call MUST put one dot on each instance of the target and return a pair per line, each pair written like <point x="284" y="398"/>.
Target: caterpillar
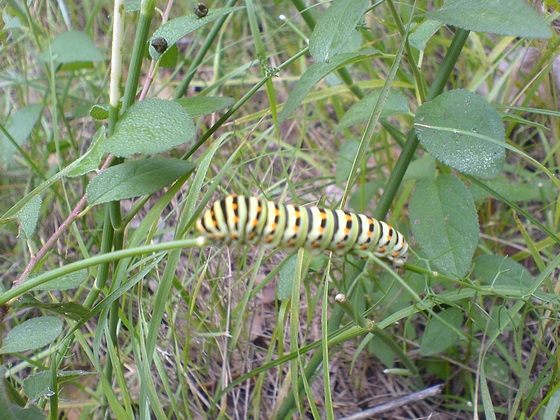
<point x="253" y="221"/>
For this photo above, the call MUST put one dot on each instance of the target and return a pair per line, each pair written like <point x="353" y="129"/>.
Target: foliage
<point x="113" y="144"/>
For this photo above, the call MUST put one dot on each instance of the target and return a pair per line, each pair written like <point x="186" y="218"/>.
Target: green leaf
<point x="396" y="104"/>
<point x="65" y="282"/>
<point x="423" y="168"/>
<point x="32" y="334"/>
<point x="438" y="336"/>
<point x="345" y="160"/>
<point x="28" y="216"/>
<point x="444" y="223"/>
<point x="73" y="50"/>
<point x="150" y="126"/>
<point x="132" y="6"/>
<point x="99" y="112"/>
<point x="443" y="126"/>
<point x="12" y="411"/>
<point x="501" y="271"/>
<point x="286" y="277"/>
<point x="422" y="33"/>
<point x="169" y="57"/>
<point x="515" y="189"/>
<point x="335" y="27"/>
<point x="135" y="178"/>
<point x="316" y="72"/>
<point x="176" y="29"/>
<point x="70" y="310"/>
<point x="90" y="160"/>
<point x="19" y="127"/>
<point x="202" y="105"/>
<point x="552" y="409"/>
<point x="505" y="17"/>
<point x="10" y="22"/>
<point x="498" y="372"/>
<point x="382" y="351"/>
<point x="38" y="384"/>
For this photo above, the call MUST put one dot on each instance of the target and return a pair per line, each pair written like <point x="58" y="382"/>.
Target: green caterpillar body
<point x="253" y="221"/>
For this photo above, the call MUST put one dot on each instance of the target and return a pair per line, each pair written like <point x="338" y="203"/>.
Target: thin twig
<point x="399" y="402"/>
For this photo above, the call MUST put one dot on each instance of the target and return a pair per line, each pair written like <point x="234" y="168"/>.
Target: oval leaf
<point x="505" y="17"/>
<point x="136" y="178"/>
<point x="345" y="160"/>
<point x="19" y="127"/>
<point x="28" y="216"/>
<point x="396" y="104"/>
<point x="439" y="335"/>
<point x="423" y="32"/>
<point x="335" y="27"/>
<point x="316" y="72"/>
<point x="437" y="125"/>
<point x="176" y="29"/>
<point x="286" y="277"/>
<point x="501" y="271"/>
<point x="90" y="160"/>
<point x="74" y="50"/>
<point x="39" y="385"/>
<point x="445" y="224"/>
<point x="32" y="334"/>
<point x="150" y="126"/>
<point x="65" y="282"/>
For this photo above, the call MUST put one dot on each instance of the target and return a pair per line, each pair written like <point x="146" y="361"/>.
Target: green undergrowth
<point x="121" y="125"/>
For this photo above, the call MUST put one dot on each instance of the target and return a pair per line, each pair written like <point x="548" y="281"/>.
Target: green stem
<point x="409" y="53"/>
<point x="140" y="40"/>
<point x="351" y="311"/>
<point x="411" y="144"/>
<point x="26" y="286"/>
